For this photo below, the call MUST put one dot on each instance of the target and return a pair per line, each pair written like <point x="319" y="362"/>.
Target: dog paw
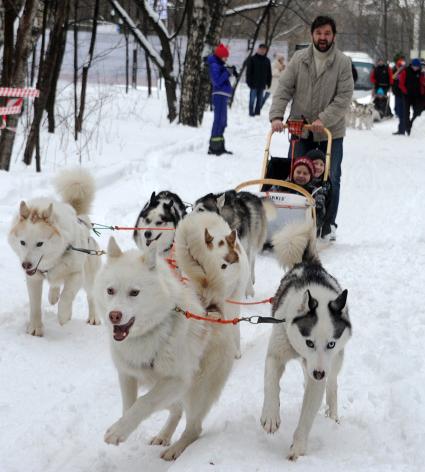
<point x="64" y="316"/>
<point x="160" y="441"/>
<point x="172" y="452"/>
<point x="93" y="320"/>
<point x="333" y="415"/>
<point x="238" y="354"/>
<point x="54" y="294"/>
<point x="117" y="433"/>
<point x="270" y="421"/>
<point x="297" y="449"/>
<point x="35" y="330"/>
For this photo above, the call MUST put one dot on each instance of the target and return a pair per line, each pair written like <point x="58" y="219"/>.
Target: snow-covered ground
<point x="59" y="393"/>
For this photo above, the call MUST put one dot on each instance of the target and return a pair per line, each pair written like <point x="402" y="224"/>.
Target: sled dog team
<point x="185" y="363"/>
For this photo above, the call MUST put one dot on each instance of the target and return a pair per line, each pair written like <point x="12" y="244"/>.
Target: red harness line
<point x="129" y="228"/>
<point x="172" y="264"/>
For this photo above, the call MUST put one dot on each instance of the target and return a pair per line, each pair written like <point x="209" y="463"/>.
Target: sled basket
<point x="292" y="202"/>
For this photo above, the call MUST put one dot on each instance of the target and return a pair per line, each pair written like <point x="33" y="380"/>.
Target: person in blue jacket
<point x="221" y="91"/>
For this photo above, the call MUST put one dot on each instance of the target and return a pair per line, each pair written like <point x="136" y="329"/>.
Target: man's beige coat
<point x="326" y="96"/>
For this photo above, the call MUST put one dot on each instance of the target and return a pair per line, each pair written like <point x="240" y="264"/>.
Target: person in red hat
<point x="302" y="171"/>
<point x="221" y="91"/>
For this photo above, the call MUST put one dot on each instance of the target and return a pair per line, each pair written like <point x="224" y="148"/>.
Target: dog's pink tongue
<point x="119" y="334"/>
<point x="121" y="331"/>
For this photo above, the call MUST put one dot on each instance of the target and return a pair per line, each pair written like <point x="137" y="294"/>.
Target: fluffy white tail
<point x="76" y="187"/>
<point x="296" y="243"/>
<point x="270" y="209"/>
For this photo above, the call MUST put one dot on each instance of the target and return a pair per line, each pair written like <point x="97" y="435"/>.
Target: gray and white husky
<point x="244" y="212"/>
<point x="183" y="363"/>
<point x="164" y="209"/>
<point x="42" y="234"/>
<point x="316" y="330"/>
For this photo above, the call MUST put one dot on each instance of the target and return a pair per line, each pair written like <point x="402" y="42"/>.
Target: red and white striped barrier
<point x="18" y="92"/>
<point x="14" y="105"/>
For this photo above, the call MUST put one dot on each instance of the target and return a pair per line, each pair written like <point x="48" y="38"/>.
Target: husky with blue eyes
<point x="42" y="234"/>
<point x="316" y="330"/>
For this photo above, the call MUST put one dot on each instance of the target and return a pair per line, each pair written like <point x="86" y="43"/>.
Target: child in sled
<point x="321" y="191"/>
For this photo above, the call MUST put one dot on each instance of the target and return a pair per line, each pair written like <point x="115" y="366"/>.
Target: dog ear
<point x="337" y="305"/>
<point x="231" y="239"/>
<point x="113" y="248"/>
<point x="309" y="303"/>
<point x="47" y="213"/>
<point x="221" y="200"/>
<point x="152" y="199"/>
<point x="208" y="239"/>
<point x="24" y="211"/>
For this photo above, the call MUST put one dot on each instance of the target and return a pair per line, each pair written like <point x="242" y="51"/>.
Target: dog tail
<point x="269" y="209"/>
<point x="76" y="187"/>
<point x="296" y="243"/>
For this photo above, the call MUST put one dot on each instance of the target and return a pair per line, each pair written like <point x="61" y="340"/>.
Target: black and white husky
<point x="316" y="330"/>
<point x="244" y="212"/>
<point x="163" y="210"/>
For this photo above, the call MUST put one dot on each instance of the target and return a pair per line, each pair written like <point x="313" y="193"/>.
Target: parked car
<point x="364" y="65"/>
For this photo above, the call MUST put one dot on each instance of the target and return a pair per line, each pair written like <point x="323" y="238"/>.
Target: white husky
<point x="184" y="363"/>
<point x="205" y="244"/>
<point x="42" y="234"/>
<point x="316" y="330"/>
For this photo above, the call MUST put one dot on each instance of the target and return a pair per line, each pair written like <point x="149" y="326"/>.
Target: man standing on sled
<point x="319" y="81"/>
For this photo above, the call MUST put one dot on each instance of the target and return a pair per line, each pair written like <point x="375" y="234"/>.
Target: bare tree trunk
<point x="86" y="67"/>
<point x="168" y="69"/>
<point x="148" y="64"/>
<point x="165" y="62"/>
<point x="421" y="27"/>
<point x="216" y="8"/>
<point x="52" y="56"/>
<point x="76" y="4"/>
<point x="192" y="64"/>
<point x="50" y="105"/>
<point x="127" y="60"/>
<point x="14" y="76"/>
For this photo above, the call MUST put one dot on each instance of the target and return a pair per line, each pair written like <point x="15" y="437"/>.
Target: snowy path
<point x="59" y="394"/>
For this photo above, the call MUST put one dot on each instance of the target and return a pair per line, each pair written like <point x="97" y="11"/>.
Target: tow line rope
<point x="255" y="319"/>
<point x="98" y="227"/>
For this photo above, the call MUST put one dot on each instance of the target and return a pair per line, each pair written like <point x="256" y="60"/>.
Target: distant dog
<point x="316" y="330"/>
<point x="164" y="209"/>
<point x="42" y="234"/>
<point x="244" y="212"/>
<point x="183" y="363"/>
<point x="361" y="115"/>
<point x="205" y="244"/>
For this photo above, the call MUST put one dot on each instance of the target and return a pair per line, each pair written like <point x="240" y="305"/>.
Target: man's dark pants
<point x="305" y="145"/>
<point x="255" y="101"/>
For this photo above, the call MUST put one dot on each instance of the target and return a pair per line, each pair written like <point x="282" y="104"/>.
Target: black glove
<point x="233" y="71"/>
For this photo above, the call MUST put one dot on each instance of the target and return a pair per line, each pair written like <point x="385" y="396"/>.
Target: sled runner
<point x="292" y="201"/>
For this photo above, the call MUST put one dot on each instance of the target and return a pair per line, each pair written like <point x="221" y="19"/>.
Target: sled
<point x="291" y="207"/>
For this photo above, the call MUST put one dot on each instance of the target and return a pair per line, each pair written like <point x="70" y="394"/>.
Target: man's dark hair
<point x="322" y="21"/>
<point x="262" y="46"/>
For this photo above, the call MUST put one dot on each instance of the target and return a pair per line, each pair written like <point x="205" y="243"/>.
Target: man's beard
<point x="323" y="45"/>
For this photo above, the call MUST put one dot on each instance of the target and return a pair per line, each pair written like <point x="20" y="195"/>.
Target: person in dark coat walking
<point x="381" y="76"/>
<point x="412" y="84"/>
<point x="258" y="78"/>
<point x="221" y="91"/>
